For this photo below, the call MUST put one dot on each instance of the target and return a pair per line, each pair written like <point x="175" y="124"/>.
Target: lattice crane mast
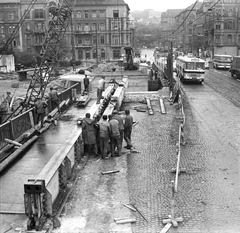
<point x="61" y="20"/>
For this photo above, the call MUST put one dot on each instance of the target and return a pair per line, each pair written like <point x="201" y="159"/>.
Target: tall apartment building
<point x="100" y="29"/>
<point x="9" y="18"/>
<point x="225" y="27"/>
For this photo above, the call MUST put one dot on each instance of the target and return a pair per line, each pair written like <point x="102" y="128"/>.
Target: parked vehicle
<point x="235" y="67"/>
<point x="190" y="69"/>
<point x="222" y="61"/>
<point x="206" y="65"/>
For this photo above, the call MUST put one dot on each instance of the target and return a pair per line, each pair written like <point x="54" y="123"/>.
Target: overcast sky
<point x="158" y="5"/>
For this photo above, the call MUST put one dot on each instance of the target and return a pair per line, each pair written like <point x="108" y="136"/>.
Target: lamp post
<point x="96" y="44"/>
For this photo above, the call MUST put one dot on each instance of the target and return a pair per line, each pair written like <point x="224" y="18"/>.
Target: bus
<point x="222" y="61"/>
<point x="190" y="69"/>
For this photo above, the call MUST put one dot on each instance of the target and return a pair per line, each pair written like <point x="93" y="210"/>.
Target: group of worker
<point x="41" y="105"/>
<point x="107" y="135"/>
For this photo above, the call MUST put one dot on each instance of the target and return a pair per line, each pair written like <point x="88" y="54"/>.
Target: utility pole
<point x="73" y="46"/>
<point x="96" y="45"/>
<point x="171" y="67"/>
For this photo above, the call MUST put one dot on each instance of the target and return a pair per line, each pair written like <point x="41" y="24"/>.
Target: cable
<point x="193" y="20"/>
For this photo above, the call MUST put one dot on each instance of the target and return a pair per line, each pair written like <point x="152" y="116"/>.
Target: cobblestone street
<point x="208" y="196"/>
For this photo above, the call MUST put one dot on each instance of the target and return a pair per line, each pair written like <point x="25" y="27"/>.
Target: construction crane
<point x="60" y="21"/>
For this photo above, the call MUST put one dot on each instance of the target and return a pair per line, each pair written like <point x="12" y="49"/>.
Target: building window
<point x="88" y="55"/>
<point x="103" y="55"/>
<point x="115" y="25"/>
<point x="230" y="25"/>
<point x="230" y="13"/>
<point x="79" y="27"/>
<point x="115" y="39"/>
<point x="86" y="27"/>
<point x="229" y="38"/>
<point x="116" y="53"/>
<point x="94" y="39"/>
<point x="1" y="16"/>
<point x="39" y="26"/>
<point x="102" y="26"/>
<point x="102" y="13"/>
<point x="87" y="40"/>
<point x="86" y="14"/>
<point x="78" y="14"/>
<point x="80" y="54"/>
<point x="115" y="14"/>
<point x="38" y="14"/>
<point x="94" y="54"/>
<point x="79" y="39"/>
<point x="102" y="39"/>
<point x="2" y="30"/>
<point x="217" y="39"/>
<point x="94" y="26"/>
<point x="28" y="40"/>
<point x="94" y="14"/>
<point x="11" y="16"/>
<point x="218" y="26"/>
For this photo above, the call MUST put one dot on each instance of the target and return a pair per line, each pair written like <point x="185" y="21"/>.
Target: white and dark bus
<point x="190" y="69"/>
<point x="222" y="61"/>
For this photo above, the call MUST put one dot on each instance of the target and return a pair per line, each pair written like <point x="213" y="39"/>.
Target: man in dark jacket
<point x="54" y="99"/>
<point x="115" y="139"/>
<point x="120" y="124"/>
<point x="86" y="83"/>
<point x="89" y="134"/>
<point x="104" y="129"/>
<point x="128" y="129"/>
<point x="40" y="107"/>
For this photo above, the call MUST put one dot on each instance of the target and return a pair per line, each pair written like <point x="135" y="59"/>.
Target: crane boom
<point x="61" y="20"/>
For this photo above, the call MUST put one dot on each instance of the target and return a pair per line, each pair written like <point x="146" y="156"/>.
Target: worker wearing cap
<point x="100" y="89"/>
<point x="128" y="128"/>
<point x="120" y="124"/>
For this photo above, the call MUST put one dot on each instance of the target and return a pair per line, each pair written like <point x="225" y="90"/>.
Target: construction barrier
<point x="173" y="220"/>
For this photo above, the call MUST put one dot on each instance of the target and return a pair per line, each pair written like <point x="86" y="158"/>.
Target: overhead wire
<point x="192" y="21"/>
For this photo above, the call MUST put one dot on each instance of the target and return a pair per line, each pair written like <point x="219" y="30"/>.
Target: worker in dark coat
<point x="54" y="99"/>
<point x="86" y="83"/>
<point x="128" y="129"/>
<point x="120" y="124"/>
<point x="40" y="107"/>
<point x="89" y="134"/>
<point x="115" y="139"/>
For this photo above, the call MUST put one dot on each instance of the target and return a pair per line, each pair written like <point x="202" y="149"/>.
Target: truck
<point x="235" y="67"/>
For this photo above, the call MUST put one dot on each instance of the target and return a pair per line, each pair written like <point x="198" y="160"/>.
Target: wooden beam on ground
<point x="130" y="220"/>
<point x="12" y="142"/>
<point x="166" y="228"/>
<point x="162" y="106"/>
<point x="15" y="154"/>
<point x="150" y="110"/>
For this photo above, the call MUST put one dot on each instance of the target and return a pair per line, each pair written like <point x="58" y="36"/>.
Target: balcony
<point x="86" y="32"/>
<point x="41" y="31"/>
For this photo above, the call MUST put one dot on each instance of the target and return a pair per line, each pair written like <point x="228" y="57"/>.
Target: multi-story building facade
<point x="225" y="20"/>
<point x="100" y="29"/>
<point x="9" y="18"/>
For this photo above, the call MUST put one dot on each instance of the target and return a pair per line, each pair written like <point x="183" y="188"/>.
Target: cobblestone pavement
<point x="208" y="196"/>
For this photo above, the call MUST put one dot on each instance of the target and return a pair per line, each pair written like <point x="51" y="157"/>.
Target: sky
<point x="158" y="5"/>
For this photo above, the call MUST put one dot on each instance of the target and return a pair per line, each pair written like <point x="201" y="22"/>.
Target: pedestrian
<point x="120" y="124"/>
<point x="100" y="89"/>
<point x="128" y="129"/>
<point x="40" y="107"/>
<point x="54" y="99"/>
<point x="115" y="140"/>
<point x="86" y="83"/>
<point x="89" y="134"/>
<point x="156" y="74"/>
<point x="104" y="127"/>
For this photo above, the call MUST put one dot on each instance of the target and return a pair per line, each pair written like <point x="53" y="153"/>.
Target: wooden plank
<point x="15" y="154"/>
<point x="166" y="228"/>
<point x="130" y="220"/>
<point x="162" y="106"/>
<point x="150" y="110"/>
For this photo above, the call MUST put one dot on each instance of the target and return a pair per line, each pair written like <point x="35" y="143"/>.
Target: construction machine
<point x="128" y="60"/>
